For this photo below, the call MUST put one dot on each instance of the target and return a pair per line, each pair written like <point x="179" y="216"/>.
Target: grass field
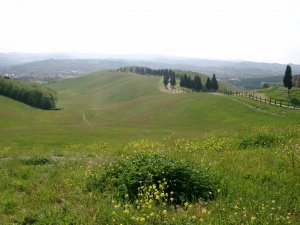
<point x="281" y="93"/>
<point x="47" y="156"/>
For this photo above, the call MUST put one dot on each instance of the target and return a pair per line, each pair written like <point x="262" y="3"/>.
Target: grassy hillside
<point x="48" y="158"/>
<point x="120" y="105"/>
<point x="281" y="93"/>
<point x="257" y="82"/>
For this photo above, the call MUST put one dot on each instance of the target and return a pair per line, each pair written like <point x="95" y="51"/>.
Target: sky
<point x="256" y="30"/>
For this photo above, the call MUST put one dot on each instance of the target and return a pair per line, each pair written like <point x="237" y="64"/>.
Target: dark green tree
<point x="287" y="79"/>
<point x="197" y="84"/>
<point x="214" y="83"/>
<point x="189" y="83"/>
<point x="181" y="82"/>
<point x="166" y="80"/>
<point x="173" y="80"/>
<point x="208" y="84"/>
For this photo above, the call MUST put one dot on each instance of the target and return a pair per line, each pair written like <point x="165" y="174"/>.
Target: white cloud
<point x="261" y="30"/>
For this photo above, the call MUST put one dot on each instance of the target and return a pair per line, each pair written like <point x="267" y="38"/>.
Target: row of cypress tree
<point x="147" y="71"/>
<point x="169" y="76"/>
<point x="32" y="94"/>
<point x="196" y="84"/>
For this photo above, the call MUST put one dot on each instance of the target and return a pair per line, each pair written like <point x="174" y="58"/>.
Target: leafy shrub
<point x="295" y="101"/>
<point x="258" y="140"/>
<point x="37" y="160"/>
<point x="186" y="181"/>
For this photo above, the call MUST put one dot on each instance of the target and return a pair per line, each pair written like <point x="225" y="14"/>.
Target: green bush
<point x="258" y="140"/>
<point x="295" y="101"/>
<point x="37" y="160"/>
<point x="186" y="181"/>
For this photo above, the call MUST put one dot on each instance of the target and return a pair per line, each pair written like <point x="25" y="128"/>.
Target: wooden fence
<point x="271" y="101"/>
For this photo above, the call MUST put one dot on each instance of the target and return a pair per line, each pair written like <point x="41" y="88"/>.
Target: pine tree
<point x="214" y="83"/>
<point x="208" y="84"/>
<point x="287" y="79"/>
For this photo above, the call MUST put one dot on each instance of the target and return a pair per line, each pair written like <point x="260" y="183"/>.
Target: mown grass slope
<point x="122" y="106"/>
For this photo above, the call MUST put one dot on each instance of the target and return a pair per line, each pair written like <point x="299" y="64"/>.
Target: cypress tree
<point x="181" y="82"/>
<point x="214" y="83"/>
<point x="189" y="83"/>
<point x="173" y="80"/>
<point x="208" y="84"/>
<point x="197" y="84"/>
<point x="166" y="80"/>
<point x="287" y="79"/>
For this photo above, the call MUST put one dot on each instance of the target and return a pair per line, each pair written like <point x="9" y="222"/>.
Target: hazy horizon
<point x="258" y="31"/>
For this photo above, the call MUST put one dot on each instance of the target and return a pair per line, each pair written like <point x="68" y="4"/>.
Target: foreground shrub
<point x="37" y="160"/>
<point x="130" y="176"/>
<point x="258" y="140"/>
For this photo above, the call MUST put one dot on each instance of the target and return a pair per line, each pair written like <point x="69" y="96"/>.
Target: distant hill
<point x="257" y="82"/>
<point x="71" y="64"/>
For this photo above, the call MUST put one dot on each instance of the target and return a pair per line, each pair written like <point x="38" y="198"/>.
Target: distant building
<point x="296" y="80"/>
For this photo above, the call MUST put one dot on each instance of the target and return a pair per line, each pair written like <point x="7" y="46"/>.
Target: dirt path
<point x="85" y="119"/>
<point x="255" y="108"/>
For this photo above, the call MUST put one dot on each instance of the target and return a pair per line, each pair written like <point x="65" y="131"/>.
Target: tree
<point x="173" y="80"/>
<point x="166" y="80"/>
<point x="266" y="85"/>
<point x="189" y="83"/>
<point x="181" y="82"/>
<point x="197" y="84"/>
<point x="287" y="79"/>
<point x="208" y="84"/>
<point x="214" y="83"/>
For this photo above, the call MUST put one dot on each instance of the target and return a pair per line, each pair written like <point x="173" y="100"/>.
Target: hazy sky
<point x="258" y="30"/>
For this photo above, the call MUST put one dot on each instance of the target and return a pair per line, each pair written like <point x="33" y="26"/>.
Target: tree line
<point x="147" y="71"/>
<point x="32" y="94"/>
<point x="169" y="77"/>
<point x="196" y="84"/>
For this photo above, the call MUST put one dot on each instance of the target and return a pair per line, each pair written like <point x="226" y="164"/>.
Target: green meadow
<point x="48" y="159"/>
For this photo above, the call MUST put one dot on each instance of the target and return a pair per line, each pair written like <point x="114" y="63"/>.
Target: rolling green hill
<point x="51" y="161"/>
<point x="124" y="106"/>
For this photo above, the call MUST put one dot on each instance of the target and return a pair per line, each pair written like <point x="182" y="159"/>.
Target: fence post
<point x="275" y="102"/>
<point x="270" y="101"/>
<point x="280" y="103"/>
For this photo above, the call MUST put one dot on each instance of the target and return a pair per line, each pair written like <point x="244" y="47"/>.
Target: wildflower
<point x="204" y="211"/>
<point x="253" y="218"/>
<point x="164" y="211"/>
<point x="142" y="219"/>
<point x="194" y="217"/>
<point x="126" y="211"/>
